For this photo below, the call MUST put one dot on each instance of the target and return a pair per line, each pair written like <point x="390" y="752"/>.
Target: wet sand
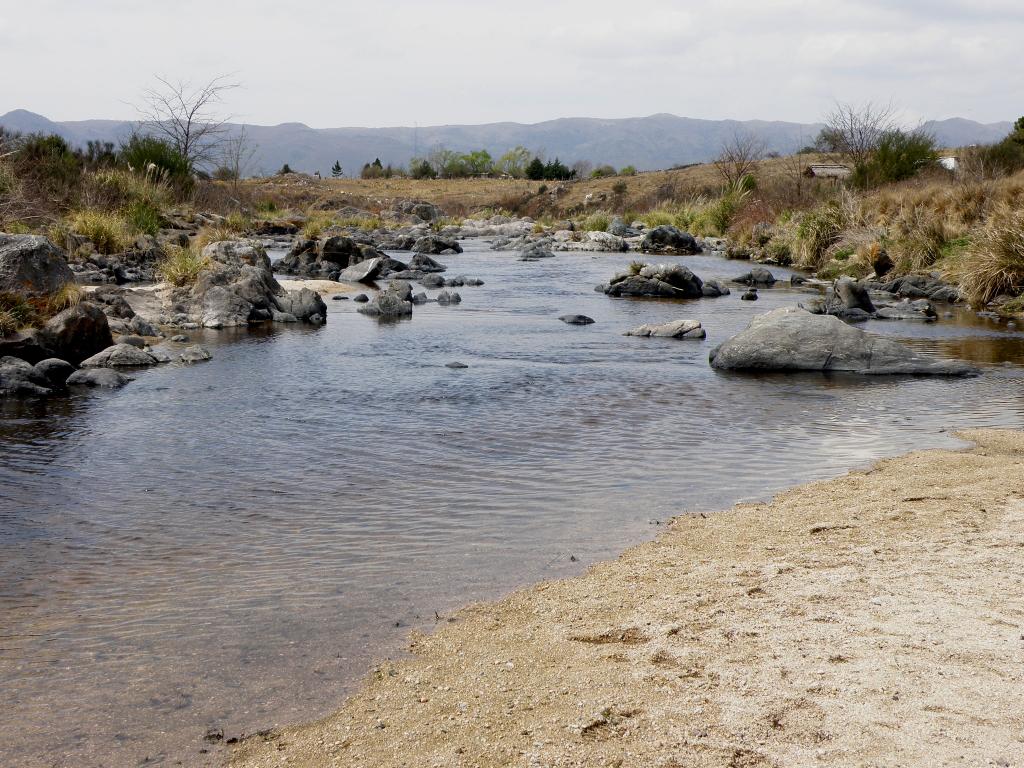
<point x="875" y="619"/>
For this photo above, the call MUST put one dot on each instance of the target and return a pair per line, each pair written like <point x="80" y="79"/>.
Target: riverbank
<point x="866" y="620"/>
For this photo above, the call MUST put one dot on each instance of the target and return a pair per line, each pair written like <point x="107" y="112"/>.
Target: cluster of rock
<point x="357" y="258"/>
<point x="672" y="281"/>
<point x="617" y="238"/>
<point x="852" y="301"/>
<point x="237" y="287"/>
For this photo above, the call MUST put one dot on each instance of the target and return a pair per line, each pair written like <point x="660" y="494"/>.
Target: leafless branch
<point x="186" y="116"/>
<point x="854" y="131"/>
<point x="739" y="157"/>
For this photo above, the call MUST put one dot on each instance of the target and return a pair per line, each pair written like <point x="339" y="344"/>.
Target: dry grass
<point x="993" y="264"/>
<point x="181" y="266"/>
<point x="107" y="230"/>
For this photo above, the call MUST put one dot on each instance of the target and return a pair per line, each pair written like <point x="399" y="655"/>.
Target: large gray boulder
<point x="120" y="356"/>
<point x="76" y="333"/>
<point x="792" y="339"/>
<point x="662" y="280"/>
<point x="669" y="239"/>
<point x="757" y="277"/>
<point x="394" y="303"/>
<point x="32" y="265"/>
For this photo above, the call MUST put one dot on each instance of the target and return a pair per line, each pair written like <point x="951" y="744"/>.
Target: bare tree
<point x="236" y="153"/>
<point x="854" y="131"/>
<point x="186" y="116"/>
<point x="739" y="157"/>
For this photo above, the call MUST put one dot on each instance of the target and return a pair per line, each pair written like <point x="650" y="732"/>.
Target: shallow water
<point x="231" y="544"/>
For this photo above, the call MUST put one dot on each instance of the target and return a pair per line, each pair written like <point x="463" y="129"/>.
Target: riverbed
<point x="230" y="545"/>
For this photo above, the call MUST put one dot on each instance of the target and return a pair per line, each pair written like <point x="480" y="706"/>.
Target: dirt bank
<point x="872" y="620"/>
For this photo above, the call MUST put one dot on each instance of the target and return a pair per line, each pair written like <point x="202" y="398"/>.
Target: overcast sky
<point x="331" y="63"/>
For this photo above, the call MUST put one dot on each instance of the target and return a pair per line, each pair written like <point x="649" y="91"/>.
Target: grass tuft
<point x="993" y="263"/>
<point x="107" y="230"/>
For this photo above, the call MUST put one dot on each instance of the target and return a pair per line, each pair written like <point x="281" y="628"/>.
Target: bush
<point x="602" y="171"/>
<point x="109" y="232"/>
<point x="993" y="263"/>
<point x="149" y="156"/>
<point x="627" y="170"/>
<point x="421" y="169"/>
<point x="898" y="156"/>
<point x="49" y="162"/>
<point x="181" y="266"/>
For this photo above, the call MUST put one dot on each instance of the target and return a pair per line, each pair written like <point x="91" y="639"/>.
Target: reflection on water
<point x="231" y="544"/>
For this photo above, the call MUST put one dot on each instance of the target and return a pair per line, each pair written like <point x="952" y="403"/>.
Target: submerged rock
<point x="20" y="379"/>
<point x="104" y="378"/>
<point x="791" y="339"/>
<point x="677" y="329"/>
<point x="576" y="319"/>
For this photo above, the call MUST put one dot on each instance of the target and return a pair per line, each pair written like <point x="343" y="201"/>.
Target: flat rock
<point x="120" y="356"/>
<point x="677" y="329"/>
<point x="792" y="339"/>
<point x="576" y="319"/>
<point x="103" y="378"/>
<point x="194" y="354"/>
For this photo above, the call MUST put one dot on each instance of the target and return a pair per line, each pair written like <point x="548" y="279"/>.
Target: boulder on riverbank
<point x="792" y="339"/>
<point x="672" y="281"/>
<point x="121" y="356"/>
<point x="31" y="265"/>
<point x="76" y="333"/>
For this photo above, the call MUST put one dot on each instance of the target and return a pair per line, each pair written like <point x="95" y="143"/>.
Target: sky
<point x="333" y="63"/>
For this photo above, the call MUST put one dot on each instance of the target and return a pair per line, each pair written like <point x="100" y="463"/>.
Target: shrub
<point x="236" y="221"/>
<point x="602" y="171"/>
<point x="620" y="187"/>
<point x="148" y="155"/>
<point x="143" y="217"/>
<point x="108" y="231"/>
<point x="898" y="156"/>
<point x="49" y="162"/>
<point x="993" y="263"/>
<point x="365" y="223"/>
<point x="715" y="217"/>
<point x="627" y="170"/>
<point x="181" y="266"/>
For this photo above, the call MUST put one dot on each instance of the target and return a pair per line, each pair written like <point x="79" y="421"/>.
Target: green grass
<point x="16" y="312"/>
<point x="595" y="222"/>
<point x="993" y="264"/>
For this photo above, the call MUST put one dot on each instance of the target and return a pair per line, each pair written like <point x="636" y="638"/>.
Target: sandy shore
<point x="872" y="620"/>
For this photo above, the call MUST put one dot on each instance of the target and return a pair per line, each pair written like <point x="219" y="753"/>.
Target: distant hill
<point x="654" y="142"/>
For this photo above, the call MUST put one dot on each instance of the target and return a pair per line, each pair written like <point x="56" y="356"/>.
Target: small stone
<point x="576" y="319"/>
<point x="455" y="364"/>
<point x="195" y="354"/>
<point x="362" y="298"/>
<point x="180" y="338"/>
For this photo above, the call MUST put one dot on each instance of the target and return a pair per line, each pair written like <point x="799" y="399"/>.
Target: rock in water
<point x="55" y="371"/>
<point x="105" y="378"/>
<point x="758" y="276"/>
<point x="20" y="379"/>
<point x="853" y="295"/>
<point x="791" y="339"/>
<point x="120" y="356"/>
<point x="195" y="354"/>
<point x="749" y="295"/>
<point x="455" y="364"/>
<point x="665" y="280"/>
<point x="667" y="238"/>
<point x="677" y="329"/>
<point x="393" y="303"/>
<point x="31" y="264"/>
<point x="363" y="272"/>
<point x="576" y="319"/>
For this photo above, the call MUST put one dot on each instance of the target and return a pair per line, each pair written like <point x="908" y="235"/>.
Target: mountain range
<point x="648" y="143"/>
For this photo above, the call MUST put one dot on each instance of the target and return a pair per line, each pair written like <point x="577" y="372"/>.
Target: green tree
<point x="898" y="155"/>
<point x="478" y="162"/>
<point x="514" y="162"/>
<point x="285" y="169"/>
<point x="535" y="170"/>
<point x="336" y="171"/>
<point x="421" y="169"/>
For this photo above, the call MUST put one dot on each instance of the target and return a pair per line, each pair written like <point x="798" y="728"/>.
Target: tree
<point x="513" y="163"/>
<point x="898" y="156"/>
<point x="336" y="171"/>
<point x="603" y="172"/>
<point x="535" y="170"/>
<point x="236" y="153"/>
<point x="479" y="162"/>
<point x="285" y="169"/>
<point x="421" y="169"/>
<point x="739" y="157"/>
<point x="855" y="131"/>
<point x="186" y="117"/>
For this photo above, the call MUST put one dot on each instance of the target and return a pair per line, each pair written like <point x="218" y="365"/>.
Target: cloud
<point x="394" y="62"/>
